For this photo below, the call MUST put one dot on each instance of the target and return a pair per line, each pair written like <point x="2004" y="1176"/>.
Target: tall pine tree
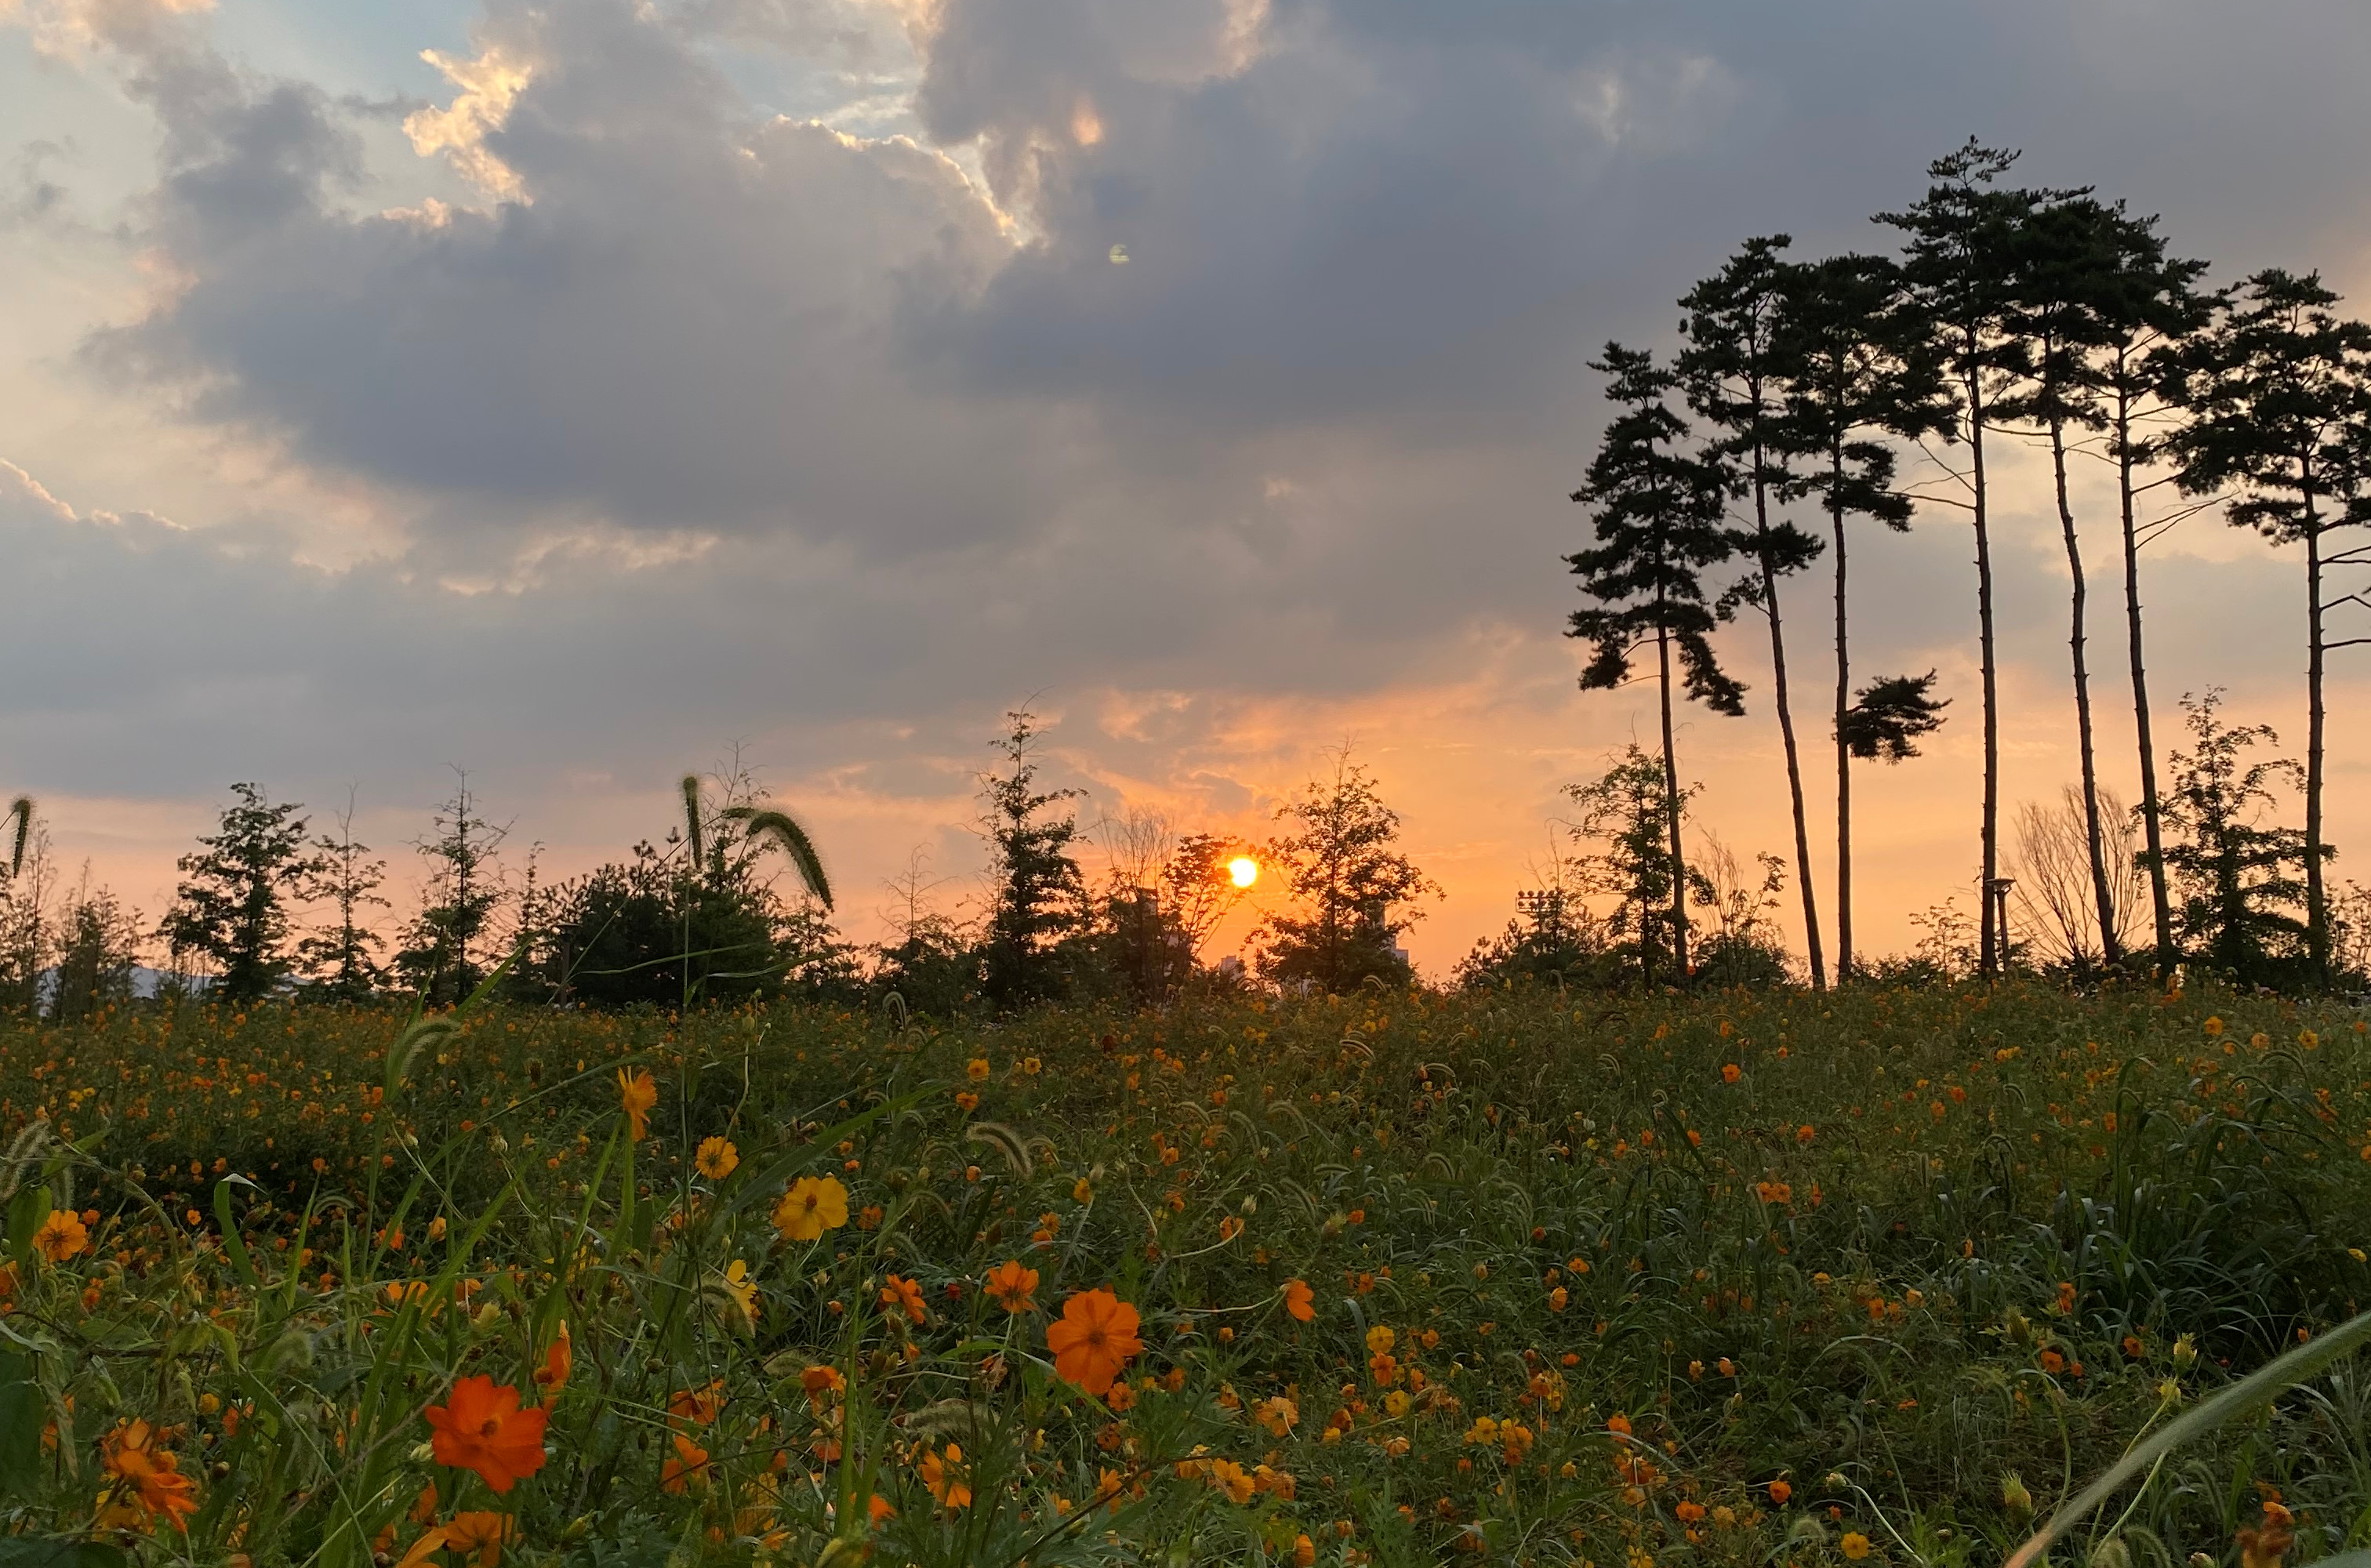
<point x="1038" y="894"/>
<point x="2147" y="306"/>
<point x="2062" y="254"/>
<point x="232" y="905"/>
<point x="464" y="889"/>
<point x="1731" y="373"/>
<point x="1856" y="365"/>
<point x="1958" y="263"/>
<point x="2278" y="395"/>
<point x="1661" y="516"/>
<point x="342" y="958"/>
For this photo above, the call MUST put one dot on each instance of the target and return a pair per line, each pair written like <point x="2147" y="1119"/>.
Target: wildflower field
<point x="1392" y="1278"/>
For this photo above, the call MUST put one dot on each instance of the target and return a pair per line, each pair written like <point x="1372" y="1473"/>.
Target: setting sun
<point x="1244" y="869"/>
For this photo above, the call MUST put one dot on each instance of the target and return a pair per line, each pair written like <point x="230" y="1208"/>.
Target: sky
<point x="585" y="392"/>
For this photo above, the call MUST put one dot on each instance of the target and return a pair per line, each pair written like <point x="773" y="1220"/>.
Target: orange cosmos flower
<point x="480" y="1532"/>
<point x="903" y="1294"/>
<point x="1234" y="1481"/>
<point x="717" y="1159"/>
<point x="148" y="1478"/>
<point x="686" y="1469"/>
<point x="60" y="1236"/>
<point x="428" y="1545"/>
<point x="698" y="1406"/>
<point x="1730" y="1072"/>
<point x="813" y="1205"/>
<point x="559" y="1360"/>
<point x="1300" y="1301"/>
<point x="1780" y="1492"/>
<point x="1095" y="1338"/>
<point x="1009" y="1284"/>
<point x="821" y="1383"/>
<point x="2264" y="1548"/>
<point x="947" y="1481"/>
<point x="483" y="1429"/>
<point x="637" y="1092"/>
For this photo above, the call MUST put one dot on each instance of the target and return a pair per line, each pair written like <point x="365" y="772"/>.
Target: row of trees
<point x="266" y="906"/>
<point x="2043" y="315"/>
<point x="232" y="926"/>
<point x="1601" y="914"/>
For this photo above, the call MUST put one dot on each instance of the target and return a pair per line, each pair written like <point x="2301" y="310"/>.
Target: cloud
<point x="80" y="29"/>
<point x="490" y="84"/>
<point x="679" y="325"/>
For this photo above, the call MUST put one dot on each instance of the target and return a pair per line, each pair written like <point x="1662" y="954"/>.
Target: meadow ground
<point x="1389" y="1278"/>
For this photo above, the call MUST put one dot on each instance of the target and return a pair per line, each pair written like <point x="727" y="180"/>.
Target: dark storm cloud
<point x="1397" y="226"/>
<point x="1425" y="215"/>
<point x="684" y="328"/>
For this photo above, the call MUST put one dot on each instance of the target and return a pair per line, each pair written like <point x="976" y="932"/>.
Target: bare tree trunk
<point x="1671" y="811"/>
<point x="2112" y="954"/>
<point x="2316" y="896"/>
<point x="1844" y="753"/>
<point x="1787" y="731"/>
<point x="1990" y="949"/>
<point x="461" y="987"/>
<point x="2152" y="827"/>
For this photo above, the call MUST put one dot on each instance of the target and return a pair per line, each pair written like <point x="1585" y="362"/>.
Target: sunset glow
<point x="1244" y="871"/>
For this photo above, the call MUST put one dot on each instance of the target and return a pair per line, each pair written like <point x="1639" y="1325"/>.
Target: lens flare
<point x="1244" y="869"/>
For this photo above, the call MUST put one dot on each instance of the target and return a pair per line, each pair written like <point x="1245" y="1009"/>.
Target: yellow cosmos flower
<point x="813" y="1205"/>
<point x="741" y="1288"/>
<point x="637" y="1092"/>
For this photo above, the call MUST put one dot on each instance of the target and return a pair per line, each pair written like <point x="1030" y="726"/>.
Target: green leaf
<point x="21" y="1418"/>
<point x="58" y="1551"/>
<point x="233" y="1242"/>
<point x="26" y="1212"/>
